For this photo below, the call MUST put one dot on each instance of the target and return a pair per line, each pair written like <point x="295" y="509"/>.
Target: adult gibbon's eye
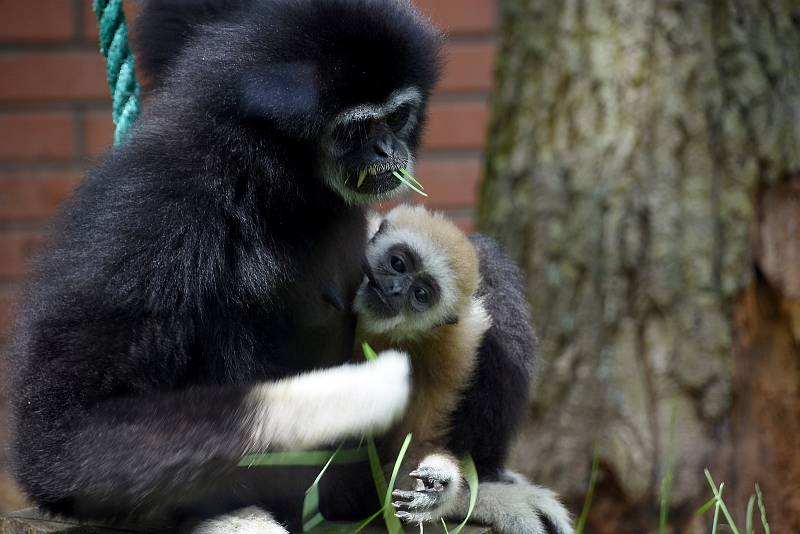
<point x="398" y="264"/>
<point x="350" y="136"/>
<point x="398" y="118"/>
<point x="422" y="295"/>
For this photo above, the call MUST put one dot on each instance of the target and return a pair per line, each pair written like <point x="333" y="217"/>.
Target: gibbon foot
<point x="517" y="508"/>
<point x="251" y="520"/>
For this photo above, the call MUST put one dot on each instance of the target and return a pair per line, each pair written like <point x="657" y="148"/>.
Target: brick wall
<point x="55" y="118"/>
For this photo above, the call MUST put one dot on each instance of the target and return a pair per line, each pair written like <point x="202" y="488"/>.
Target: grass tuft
<point x="665" y="499"/>
<point x="720" y="503"/>
<point x="748" y="526"/>
<point x="587" y="503"/>
<point x="762" y="508"/>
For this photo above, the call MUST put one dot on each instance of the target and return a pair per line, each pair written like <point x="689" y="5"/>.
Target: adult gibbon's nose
<point x="384" y="146"/>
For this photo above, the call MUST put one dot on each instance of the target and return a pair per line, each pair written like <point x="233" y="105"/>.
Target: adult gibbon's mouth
<point x="375" y="184"/>
<point x="376" y="180"/>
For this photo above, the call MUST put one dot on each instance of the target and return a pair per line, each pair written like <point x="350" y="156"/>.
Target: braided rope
<point x="120" y="64"/>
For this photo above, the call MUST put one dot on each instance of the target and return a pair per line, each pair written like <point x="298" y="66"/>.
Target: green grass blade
<point x="718" y="495"/>
<point x="409" y="184"/>
<point x="444" y="526"/>
<point x="665" y="500"/>
<point x="327" y="465"/>
<point x="361" y="177"/>
<point x="392" y="523"/>
<point x="365" y="523"/>
<point x="587" y="503"/>
<point x="411" y="177"/>
<point x="716" y="515"/>
<point x="762" y="508"/>
<point x="706" y="506"/>
<point x="748" y="522"/>
<point x="471" y="474"/>
<point x="384" y="491"/>
<point x="665" y="493"/>
<point x="375" y="467"/>
<point x="312" y="517"/>
<point x="369" y="353"/>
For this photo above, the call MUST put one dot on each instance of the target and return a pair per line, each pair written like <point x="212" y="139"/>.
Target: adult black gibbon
<point x="193" y="304"/>
<point x="202" y="275"/>
<point x="455" y="305"/>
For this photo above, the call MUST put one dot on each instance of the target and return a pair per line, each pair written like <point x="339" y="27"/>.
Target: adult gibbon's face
<point x="364" y="145"/>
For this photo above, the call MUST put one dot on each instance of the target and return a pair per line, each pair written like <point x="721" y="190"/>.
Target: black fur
<point x="195" y="259"/>
<point x="494" y="405"/>
<point x="164" y="27"/>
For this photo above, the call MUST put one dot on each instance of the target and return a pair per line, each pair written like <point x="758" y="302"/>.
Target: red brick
<point x="36" y="136"/>
<point x="6" y="314"/>
<point x="62" y="76"/>
<point x="34" y="195"/>
<point x="450" y="184"/>
<point x="89" y="22"/>
<point x="456" y="125"/>
<point x="42" y="20"/>
<point x="464" y="220"/>
<point x="99" y="132"/>
<point x="461" y="16"/>
<point x="468" y="67"/>
<point x="17" y="246"/>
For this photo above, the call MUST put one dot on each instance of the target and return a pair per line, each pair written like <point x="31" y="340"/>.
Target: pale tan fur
<point x="442" y="358"/>
<point x="442" y="363"/>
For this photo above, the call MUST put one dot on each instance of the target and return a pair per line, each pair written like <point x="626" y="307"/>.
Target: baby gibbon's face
<point x="408" y="287"/>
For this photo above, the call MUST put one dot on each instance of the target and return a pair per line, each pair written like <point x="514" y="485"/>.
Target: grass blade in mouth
<point x="361" y="177"/>
<point x="409" y="184"/>
<point x="411" y="177"/>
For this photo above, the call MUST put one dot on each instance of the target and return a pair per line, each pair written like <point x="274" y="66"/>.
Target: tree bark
<point x="636" y="147"/>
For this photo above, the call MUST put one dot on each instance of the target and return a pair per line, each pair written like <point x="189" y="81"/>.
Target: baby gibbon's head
<point x="421" y="273"/>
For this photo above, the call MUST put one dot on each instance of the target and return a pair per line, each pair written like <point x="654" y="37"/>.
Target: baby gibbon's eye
<point x="397" y="263"/>
<point x="422" y="295"/>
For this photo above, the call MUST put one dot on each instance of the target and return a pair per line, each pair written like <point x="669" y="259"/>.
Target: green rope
<point x="120" y="65"/>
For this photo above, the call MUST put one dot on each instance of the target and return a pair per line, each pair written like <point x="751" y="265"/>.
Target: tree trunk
<point x="639" y="168"/>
